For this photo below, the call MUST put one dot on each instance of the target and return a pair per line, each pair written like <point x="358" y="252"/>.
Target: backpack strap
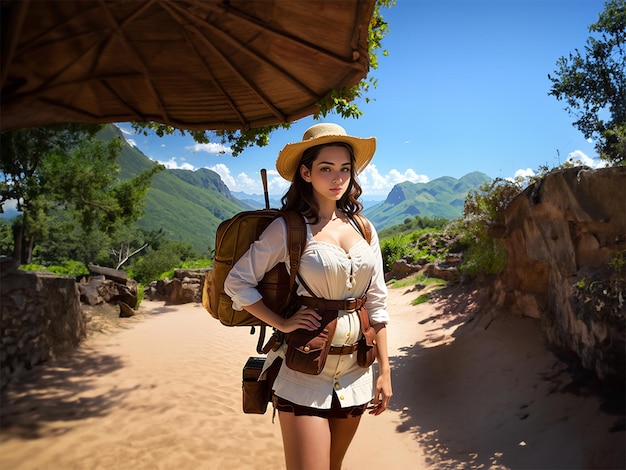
<point x="364" y="227"/>
<point x="296" y="240"/>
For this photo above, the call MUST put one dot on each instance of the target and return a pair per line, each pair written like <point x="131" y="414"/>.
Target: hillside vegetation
<point x="440" y="198"/>
<point x="186" y="205"/>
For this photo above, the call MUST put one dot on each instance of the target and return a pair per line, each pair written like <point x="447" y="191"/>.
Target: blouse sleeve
<point x="265" y="253"/>
<point x="376" y="303"/>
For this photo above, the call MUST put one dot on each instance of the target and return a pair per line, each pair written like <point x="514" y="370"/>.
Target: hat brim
<point x="289" y="157"/>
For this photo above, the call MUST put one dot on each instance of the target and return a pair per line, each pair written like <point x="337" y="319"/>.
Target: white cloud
<point x="172" y="164"/>
<point x="211" y="147"/>
<point x="277" y="184"/>
<point x="224" y="173"/>
<point x="10" y="205"/>
<point x="527" y="173"/>
<point x="579" y="156"/>
<point x="251" y="185"/>
<point x="376" y="184"/>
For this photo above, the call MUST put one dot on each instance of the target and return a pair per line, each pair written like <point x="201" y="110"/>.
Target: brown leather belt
<point x="343" y="350"/>
<point x="349" y="305"/>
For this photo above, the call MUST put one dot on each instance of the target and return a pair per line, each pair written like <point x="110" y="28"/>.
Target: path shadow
<point x="480" y="401"/>
<point x="57" y="392"/>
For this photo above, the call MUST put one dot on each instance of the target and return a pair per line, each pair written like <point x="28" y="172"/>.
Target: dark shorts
<point x="335" y="411"/>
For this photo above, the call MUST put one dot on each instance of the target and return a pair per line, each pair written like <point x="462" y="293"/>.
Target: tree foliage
<point x="593" y="83"/>
<point x="340" y="101"/>
<point x="66" y="168"/>
<point x="169" y="256"/>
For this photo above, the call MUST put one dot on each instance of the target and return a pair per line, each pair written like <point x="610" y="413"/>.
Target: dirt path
<point x="164" y="393"/>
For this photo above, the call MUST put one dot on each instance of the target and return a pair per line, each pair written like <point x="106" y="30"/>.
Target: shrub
<point x="150" y="266"/>
<point x="393" y="249"/>
<point x="67" y="268"/>
<point x="485" y="208"/>
<point x="485" y="256"/>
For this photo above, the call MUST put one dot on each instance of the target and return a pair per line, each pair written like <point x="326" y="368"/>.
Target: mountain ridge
<point x="442" y="197"/>
<point x="188" y="205"/>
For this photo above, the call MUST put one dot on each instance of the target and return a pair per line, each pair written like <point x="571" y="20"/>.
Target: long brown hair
<point x="300" y="198"/>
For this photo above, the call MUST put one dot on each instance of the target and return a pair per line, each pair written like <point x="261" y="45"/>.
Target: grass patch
<point x="414" y="279"/>
<point x="422" y="299"/>
<point x="429" y="284"/>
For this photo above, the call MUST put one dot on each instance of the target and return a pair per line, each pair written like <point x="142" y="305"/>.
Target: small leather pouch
<point x="366" y="351"/>
<point x="307" y="350"/>
<point x="256" y="394"/>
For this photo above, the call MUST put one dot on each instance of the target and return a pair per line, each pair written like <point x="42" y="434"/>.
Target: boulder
<point x="440" y="271"/>
<point x="402" y="268"/>
<point x="185" y="287"/>
<point x="107" y="285"/>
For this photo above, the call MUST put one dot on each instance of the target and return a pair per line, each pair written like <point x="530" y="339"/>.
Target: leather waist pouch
<point x="307" y="350"/>
<point x="366" y="351"/>
<point x="256" y="394"/>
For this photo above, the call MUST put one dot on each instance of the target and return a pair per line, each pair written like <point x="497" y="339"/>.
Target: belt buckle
<point x="350" y="299"/>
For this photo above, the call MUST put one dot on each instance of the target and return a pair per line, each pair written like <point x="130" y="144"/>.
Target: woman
<point x="319" y="414"/>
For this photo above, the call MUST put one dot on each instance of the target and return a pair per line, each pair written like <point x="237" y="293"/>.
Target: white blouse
<point x="331" y="273"/>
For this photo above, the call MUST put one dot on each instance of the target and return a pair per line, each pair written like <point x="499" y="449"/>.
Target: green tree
<point x="340" y="101"/>
<point x="152" y="265"/>
<point x="593" y="84"/>
<point x="65" y="167"/>
<point x="6" y="238"/>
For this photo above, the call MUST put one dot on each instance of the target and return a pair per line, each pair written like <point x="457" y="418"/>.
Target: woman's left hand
<point x="383" y="393"/>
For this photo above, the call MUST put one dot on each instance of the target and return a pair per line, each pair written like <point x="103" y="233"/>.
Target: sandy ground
<point x="163" y="391"/>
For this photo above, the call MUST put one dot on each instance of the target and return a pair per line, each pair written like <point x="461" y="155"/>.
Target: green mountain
<point x="186" y="205"/>
<point x="189" y="205"/>
<point x="443" y="197"/>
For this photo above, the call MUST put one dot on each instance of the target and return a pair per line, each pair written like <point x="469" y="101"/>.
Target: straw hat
<point x="326" y="133"/>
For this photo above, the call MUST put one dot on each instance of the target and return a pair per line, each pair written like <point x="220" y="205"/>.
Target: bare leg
<point x="306" y="440"/>
<point x="342" y="431"/>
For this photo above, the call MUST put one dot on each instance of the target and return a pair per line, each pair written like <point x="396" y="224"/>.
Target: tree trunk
<point x="27" y="256"/>
<point x="18" y="238"/>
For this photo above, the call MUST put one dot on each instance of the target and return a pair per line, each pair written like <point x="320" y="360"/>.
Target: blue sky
<point x="464" y="88"/>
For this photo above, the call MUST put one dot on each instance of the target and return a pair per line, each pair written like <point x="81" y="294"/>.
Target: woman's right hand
<point x="307" y="319"/>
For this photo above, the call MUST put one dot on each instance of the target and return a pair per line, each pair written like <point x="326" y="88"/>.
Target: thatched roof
<point x="195" y="64"/>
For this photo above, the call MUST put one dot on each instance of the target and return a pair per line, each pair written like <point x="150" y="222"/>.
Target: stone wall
<point x="40" y="318"/>
<point x="564" y="238"/>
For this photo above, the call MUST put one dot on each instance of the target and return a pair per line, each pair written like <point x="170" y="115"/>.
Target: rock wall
<point x="40" y="318"/>
<point x="565" y="237"/>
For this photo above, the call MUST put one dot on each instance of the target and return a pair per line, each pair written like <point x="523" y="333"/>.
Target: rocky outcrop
<point x="442" y="247"/>
<point x="40" y="318"/>
<point x="565" y="238"/>
<point x="107" y="285"/>
<point x="185" y="287"/>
